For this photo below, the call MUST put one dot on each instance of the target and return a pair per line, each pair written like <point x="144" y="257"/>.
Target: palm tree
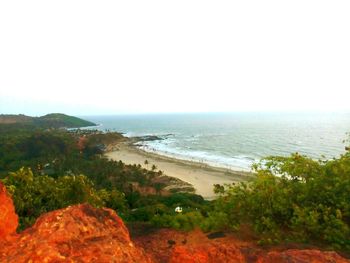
<point x="154" y="167"/>
<point x="158" y="187"/>
<point x="146" y="163"/>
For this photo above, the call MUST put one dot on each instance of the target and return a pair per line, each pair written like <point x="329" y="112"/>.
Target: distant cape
<point x="52" y="120"/>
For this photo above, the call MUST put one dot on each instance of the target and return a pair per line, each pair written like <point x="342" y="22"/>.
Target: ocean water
<point x="235" y="140"/>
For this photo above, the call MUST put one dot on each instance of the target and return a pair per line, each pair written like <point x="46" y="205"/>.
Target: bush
<point x="292" y="198"/>
<point x="186" y="221"/>
<point x="34" y="195"/>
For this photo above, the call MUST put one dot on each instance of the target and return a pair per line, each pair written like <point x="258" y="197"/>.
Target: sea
<point x="235" y="140"/>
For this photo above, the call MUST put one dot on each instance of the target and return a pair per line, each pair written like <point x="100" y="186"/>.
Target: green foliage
<point x="53" y="120"/>
<point x="186" y="221"/>
<point x="146" y="213"/>
<point x="34" y="195"/>
<point x="33" y="148"/>
<point x="160" y="210"/>
<point x="217" y="220"/>
<point x="113" y="199"/>
<point x="40" y="144"/>
<point x="292" y="198"/>
<point x="56" y="153"/>
<point x="52" y="179"/>
<point x="57" y="120"/>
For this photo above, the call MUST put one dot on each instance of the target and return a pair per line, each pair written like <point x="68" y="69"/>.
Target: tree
<point x="292" y="198"/>
<point x="159" y="187"/>
<point x="34" y="194"/>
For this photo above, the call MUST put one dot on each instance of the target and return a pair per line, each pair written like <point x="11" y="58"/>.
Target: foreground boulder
<point x="8" y="217"/>
<point x="302" y="256"/>
<point x="75" y="234"/>
<point x="211" y="252"/>
<point x="82" y="233"/>
<point x="232" y="254"/>
<point x="168" y="245"/>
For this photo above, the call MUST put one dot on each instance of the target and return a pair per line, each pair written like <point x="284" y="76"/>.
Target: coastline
<point x="200" y="175"/>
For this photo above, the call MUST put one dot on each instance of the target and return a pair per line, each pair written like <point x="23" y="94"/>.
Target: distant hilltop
<point x="52" y="120"/>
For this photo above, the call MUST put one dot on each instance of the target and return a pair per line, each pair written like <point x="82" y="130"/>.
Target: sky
<point x="121" y="57"/>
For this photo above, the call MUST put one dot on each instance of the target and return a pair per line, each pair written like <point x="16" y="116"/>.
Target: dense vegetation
<point x="67" y="167"/>
<point x="53" y="120"/>
<point x="292" y="199"/>
<point x="35" y="195"/>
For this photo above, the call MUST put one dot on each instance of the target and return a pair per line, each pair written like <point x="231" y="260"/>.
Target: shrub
<point x="34" y="195"/>
<point x="186" y="221"/>
<point x="292" y="198"/>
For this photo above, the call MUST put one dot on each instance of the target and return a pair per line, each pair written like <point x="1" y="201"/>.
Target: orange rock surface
<point x="8" y="217"/>
<point x="75" y="234"/>
<point x="82" y="233"/>
<point x="167" y="245"/>
<point x="232" y="254"/>
<point x="302" y="256"/>
<point x="211" y="252"/>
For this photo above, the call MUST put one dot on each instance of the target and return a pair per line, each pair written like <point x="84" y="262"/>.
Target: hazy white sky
<point x="108" y="57"/>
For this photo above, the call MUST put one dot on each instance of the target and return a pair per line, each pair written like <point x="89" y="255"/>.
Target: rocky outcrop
<point x="302" y="256"/>
<point x="167" y="245"/>
<point x="82" y="233"/>
<point x="232" y="254"/>
<point x="75" y="234"/>
<point x="173" y="246"/>
<point x="212" y="252"/>
<point x="8" y="217"/>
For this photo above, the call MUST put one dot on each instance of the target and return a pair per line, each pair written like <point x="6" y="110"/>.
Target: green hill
<point x="53" y="120"/>
<point x="62" y="120"/>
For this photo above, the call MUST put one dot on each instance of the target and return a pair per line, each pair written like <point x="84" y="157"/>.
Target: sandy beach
<point x="201" y="176"/>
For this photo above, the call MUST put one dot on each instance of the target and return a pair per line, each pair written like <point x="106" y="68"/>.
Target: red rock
<point x="79" y="233"/>
<point x="169" y="245"/>
<point x="217" y="252"/>
<point x="212" y="252"/>
<point x="85" y="234"/>
<point x="302" y="256"/>
<point x="8" y="217"/>
<point x="195" y="246"/>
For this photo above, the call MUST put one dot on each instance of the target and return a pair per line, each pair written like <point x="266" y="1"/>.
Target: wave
<point x="235" y="140"/>
<point x="238" y="162"/>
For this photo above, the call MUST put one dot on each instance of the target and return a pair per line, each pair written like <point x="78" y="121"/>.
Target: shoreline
<point x="200" y="175"/>
<point x="190" y="160"/>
